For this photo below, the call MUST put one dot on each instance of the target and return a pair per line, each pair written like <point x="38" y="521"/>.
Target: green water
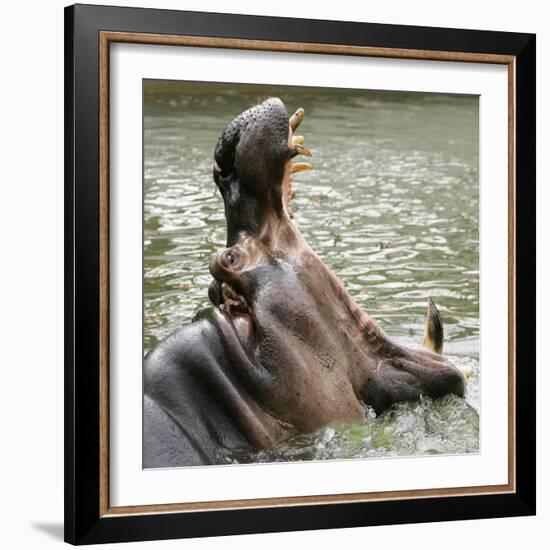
<point x="391" y="206"/>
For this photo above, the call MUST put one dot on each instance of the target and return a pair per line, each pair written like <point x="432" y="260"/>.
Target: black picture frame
<point x="84" y="522"/>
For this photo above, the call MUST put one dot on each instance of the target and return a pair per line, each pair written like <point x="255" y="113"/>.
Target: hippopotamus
<point x="283" y="349"/>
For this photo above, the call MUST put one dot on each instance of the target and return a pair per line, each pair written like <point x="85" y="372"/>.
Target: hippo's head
<point x="290" y="312"/>
<point x="252" y="168"/>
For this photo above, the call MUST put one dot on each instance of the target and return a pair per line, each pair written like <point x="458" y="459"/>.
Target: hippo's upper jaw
<point x="252" y="169"/>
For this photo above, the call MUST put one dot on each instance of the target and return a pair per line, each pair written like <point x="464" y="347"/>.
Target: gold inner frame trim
<point x="105" y="39"/>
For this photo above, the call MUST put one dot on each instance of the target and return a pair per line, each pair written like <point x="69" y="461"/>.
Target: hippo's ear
<point x="433" y="331"/>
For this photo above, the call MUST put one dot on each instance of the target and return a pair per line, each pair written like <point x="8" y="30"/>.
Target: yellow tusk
<point x="301" y="150"/>
<point x="296" y="119"/>
<point x="299" y="166"/>
<point x="297" y="140"/>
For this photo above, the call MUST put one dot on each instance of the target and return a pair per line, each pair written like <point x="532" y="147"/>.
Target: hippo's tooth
<point x="296" y="119"/>
<point x="300" y="150"/>
<point x="299" y="166"/>
<point x="297" y="140"/>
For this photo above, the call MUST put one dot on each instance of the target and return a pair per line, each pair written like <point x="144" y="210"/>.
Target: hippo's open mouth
<point x="254" y="161"/>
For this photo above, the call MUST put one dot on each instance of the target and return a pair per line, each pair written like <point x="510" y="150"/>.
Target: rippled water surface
<point x="391" y="207"/>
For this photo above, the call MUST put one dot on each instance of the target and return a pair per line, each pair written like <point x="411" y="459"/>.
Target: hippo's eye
<point x="231" y="259"/>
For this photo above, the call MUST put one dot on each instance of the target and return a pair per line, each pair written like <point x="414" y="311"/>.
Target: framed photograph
<point x="300" y="274"/>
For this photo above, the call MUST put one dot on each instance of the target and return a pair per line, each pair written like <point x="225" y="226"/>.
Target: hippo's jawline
<point x="285" y="349"/>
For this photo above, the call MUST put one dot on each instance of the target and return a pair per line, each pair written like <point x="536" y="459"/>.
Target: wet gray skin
<point x="285" y="350"/>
